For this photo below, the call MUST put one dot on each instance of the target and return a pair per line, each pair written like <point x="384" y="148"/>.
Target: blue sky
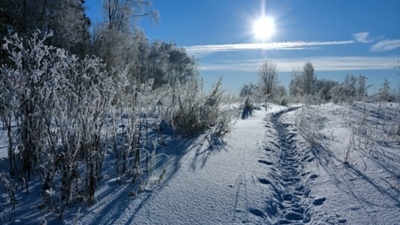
<point x="360" y="37"/>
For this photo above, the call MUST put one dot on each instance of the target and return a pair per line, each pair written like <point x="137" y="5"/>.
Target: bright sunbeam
<point x="264" y="28"/>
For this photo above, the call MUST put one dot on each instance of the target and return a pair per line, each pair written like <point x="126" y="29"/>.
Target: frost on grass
<point x="70" y="125"/>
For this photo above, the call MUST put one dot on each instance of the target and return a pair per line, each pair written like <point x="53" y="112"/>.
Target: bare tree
<point x="121" y="14"/>
<point x="268" y="77"/>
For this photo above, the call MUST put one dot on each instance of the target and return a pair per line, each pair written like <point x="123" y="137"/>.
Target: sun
<point x="264" y="28"/>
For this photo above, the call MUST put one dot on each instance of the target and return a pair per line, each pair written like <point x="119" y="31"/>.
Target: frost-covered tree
<point x="340" y="93"/>
<point x="323" y="88"/>
<point x="122" y="45"/>
<point x="352" y="88"/>
<point x="248" y="90"/>
<point x="385" y="93"/>
<point x="169" y="64"/>
<point x="119" y="41"/>
<point x="361" y="88"/>
<point x="350" y="81"/>
<point x="115" y="39"/>
<point x="304" y="81"/>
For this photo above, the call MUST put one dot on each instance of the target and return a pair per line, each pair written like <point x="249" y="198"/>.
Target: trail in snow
<point x="291" y="201"/>
<point x="292" y="204"/>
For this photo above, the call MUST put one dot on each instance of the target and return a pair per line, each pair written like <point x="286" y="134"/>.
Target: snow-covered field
<point x="328" y="164"/>
<point x="364" y="186"/>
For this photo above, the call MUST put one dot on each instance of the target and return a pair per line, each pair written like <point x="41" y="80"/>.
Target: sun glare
<point x="264" y="28"/>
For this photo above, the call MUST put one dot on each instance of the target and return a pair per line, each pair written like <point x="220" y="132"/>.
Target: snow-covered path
<point x="210" y="186"/>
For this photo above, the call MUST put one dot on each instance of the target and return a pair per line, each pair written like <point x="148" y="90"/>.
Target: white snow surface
<point x="208" y="186"/>
<point x="283" y="165"/>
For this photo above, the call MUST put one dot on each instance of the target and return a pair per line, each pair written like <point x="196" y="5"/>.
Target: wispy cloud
<point x="385" y="45"/>
<point x="294" y="45"/>
<point x="328" y="63"/>
<point x="362" y="37"/>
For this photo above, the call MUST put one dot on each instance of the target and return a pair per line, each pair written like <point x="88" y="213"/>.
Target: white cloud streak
<point x="362" y="37"/>
<point x="385" y="45"/>
<point x="328" y="63"/>
<point x="295" y="45"/>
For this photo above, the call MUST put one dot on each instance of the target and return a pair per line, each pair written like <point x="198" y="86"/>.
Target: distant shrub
<point x="341" y="93"/>
<point x="193" y="112"/>
<point x="247" y="108"/>
<point x="283" y="101"/>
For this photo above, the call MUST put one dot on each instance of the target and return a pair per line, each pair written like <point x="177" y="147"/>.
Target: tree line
<point x="117" y="39"/>
<point x="306" y="87"/>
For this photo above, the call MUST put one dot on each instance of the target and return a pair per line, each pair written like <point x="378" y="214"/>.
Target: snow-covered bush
<point x="309" y="122"/>
<point x="340" y="93"/>
<point x="59" y="103"/>
<point x="191" y="112"/>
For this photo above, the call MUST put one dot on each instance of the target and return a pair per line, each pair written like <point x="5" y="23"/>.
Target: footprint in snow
<point x="265" y="162"/>
<point x="294" y="216"/>
<point x="319" y="201"/>
<point x="256" y="212"/>
<point x="264" y="181"/>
